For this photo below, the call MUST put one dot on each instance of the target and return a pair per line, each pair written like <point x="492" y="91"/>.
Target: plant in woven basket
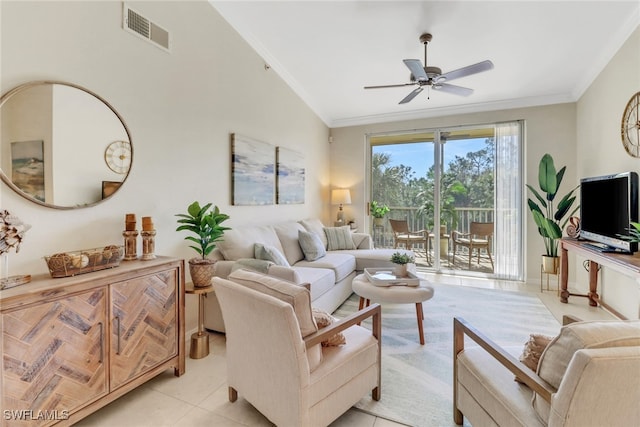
<point x="203" y="222"/>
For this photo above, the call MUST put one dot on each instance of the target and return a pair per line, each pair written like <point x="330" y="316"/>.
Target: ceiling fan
<point x="433" y="76"/>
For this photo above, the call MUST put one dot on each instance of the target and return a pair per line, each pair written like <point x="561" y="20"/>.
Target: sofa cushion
<point x="341" y="264"/>
<point x="339" y="238"/>
<point x="288" y="234"/>
<point x="270" y="253"/>
<point x="311" y="245"/>
<point x="298" y="296"/>
<point x="575" y="336"/>
<point x="238" y="242"/>
<point x="321" y="279"/>
<point x="314" y="225"/>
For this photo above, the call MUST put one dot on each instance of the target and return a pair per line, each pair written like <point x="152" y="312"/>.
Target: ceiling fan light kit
<point x="425" y="75"/>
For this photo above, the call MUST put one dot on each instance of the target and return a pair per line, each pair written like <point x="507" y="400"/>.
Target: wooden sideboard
<point x="622" y="263"/>
<point x="72" y="345"/>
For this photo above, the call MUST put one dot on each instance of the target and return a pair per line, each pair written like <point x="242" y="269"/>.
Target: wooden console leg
<point x="593" y="284"/>
<point x="233" y="394"/>
<point x="564" y="274"/>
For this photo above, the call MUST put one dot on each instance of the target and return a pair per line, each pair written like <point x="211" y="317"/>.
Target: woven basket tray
<point x="65" y="264"/>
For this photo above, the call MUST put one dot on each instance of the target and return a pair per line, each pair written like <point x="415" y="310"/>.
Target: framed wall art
<point x="289" y="176"/>
<point x="252" y="171"/>
<point x="27" y="167"/>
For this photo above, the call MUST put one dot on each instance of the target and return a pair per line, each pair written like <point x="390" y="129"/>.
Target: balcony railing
<point x="383" y="236"/>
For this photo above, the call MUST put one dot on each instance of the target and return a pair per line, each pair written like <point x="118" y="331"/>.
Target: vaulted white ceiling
<point x="544" y="52"/>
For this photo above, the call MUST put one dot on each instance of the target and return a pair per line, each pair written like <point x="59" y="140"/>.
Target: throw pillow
<point x="269" y="253"/>
<point x="258" y="265"/>
<point x="339" y="238"/>
<point x="532" y="351"/>
<point x="324" y="319"/>
<point x="311" y="245"/>
<point x="314" y="225"/>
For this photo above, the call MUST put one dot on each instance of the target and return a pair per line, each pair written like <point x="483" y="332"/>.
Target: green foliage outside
<point x="467" y="182"/>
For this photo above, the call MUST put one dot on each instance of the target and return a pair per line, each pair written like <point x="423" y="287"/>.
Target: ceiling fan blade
<point x="466" y="71"/>
<point x="415" y="66"/>
<point x="456" y="90"/>
<point x="411" y="95"/>
<point x="384" y="86"/>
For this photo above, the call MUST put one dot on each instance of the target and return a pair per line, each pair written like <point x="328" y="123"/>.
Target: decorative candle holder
<point x="130" y="245"/>
<point x="148" y="244"/>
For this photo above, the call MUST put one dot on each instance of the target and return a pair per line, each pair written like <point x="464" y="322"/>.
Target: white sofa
<point x="329" y="277"/>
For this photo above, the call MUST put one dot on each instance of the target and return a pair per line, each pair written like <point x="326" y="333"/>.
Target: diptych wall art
<point x="290" y="176"/>
<point x="252" y="171"/>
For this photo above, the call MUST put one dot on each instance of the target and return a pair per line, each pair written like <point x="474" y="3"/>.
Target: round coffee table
<point x="368" y="293"/>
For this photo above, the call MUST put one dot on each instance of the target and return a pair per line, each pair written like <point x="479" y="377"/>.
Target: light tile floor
<point x="200" y="398"/>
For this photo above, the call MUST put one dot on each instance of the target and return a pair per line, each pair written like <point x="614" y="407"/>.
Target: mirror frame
<point x="5" y="97"/>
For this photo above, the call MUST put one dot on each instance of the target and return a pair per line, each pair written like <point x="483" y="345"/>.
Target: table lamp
<point x="340" y="196"/>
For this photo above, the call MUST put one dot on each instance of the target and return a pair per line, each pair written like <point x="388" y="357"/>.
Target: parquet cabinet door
<point x="144" y="324"/>
<point x="54" y="358"/>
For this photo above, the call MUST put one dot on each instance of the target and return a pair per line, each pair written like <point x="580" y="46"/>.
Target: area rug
<point x="417" y="380"/>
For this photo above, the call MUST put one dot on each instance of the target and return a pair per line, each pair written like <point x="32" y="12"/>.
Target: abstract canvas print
<point x="290" y="177"/>
<point x="252" y="171"/>
<point x="27" y="167"/>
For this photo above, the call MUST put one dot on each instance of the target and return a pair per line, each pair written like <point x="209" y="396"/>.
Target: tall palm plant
<point x="548" y="218"/>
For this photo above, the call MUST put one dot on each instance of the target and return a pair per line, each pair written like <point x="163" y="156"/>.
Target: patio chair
<point x="479" y="237"/>
<point x="402" y="235"/>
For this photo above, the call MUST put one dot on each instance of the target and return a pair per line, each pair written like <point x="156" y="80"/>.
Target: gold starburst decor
<point x="12" y="231"/>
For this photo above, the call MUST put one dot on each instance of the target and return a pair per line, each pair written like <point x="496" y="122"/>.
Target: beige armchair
<point x="271" y="365"/>
<point x="587" y="376"/>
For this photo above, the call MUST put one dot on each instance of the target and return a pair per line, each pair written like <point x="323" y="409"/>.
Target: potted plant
<point x="401" y="260"/>
<point x="378" y="212"/>
<point x="548" y="218"/>
<point x="205" y="226"/>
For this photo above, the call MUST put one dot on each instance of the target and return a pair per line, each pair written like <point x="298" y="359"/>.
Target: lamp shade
<point x="340" y="196"/>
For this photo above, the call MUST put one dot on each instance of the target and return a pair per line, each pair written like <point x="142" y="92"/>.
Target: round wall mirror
<point x="61" y="145"/>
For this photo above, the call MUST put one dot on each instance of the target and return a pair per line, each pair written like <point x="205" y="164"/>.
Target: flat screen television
<point x="607" y="206"/>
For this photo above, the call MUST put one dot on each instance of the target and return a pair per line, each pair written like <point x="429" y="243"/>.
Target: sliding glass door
<point x="457" y="192"/>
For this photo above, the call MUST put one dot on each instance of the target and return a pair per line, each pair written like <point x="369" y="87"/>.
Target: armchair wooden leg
<point x="233" y="394"/>
<point x="420" y="316"/>
<point x="375" y="393"/>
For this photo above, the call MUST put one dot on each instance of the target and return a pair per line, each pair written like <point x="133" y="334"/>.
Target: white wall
<point x="180" y="108"/>
<point x="600" y="152"/>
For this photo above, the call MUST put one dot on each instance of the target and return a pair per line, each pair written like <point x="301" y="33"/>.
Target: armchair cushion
<point x="296" y="295"/>
<point x="339" y="238"/>
<point x="311" y="245"/>
<point x="576" y="336"/>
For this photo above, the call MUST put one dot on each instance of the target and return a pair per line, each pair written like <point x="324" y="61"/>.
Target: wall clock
<point x="631" y="126"/>
<point x="118" y="156"/>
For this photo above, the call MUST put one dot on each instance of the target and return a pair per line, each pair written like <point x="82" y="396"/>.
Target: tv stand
<point x="624" y="263"/>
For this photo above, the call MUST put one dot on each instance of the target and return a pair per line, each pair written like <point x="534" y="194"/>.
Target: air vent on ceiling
<point x="142" y="27"/>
